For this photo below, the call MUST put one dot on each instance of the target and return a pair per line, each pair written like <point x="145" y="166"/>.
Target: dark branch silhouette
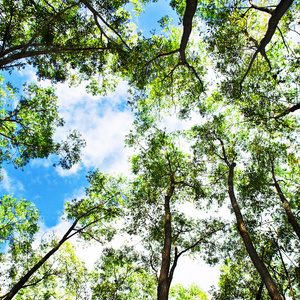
<point x="189" y="13"/>
<point x="288" y="111"/>
<point x="276" y="16"/>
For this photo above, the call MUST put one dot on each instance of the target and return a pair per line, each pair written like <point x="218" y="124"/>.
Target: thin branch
<point x="160" y="55"/>
<point x="196" y="74"/>
<point x="37" y="281"/>
<point x="50" y="6"/>
<point x="200" y="240"/>
<point x="91" y="8"/>
<point x="100" y="28"/>
<point x="286" y="273"/>
<point x="223" y="150"/>
<point x="263" y="9"/>
<point x="283" y="40"/>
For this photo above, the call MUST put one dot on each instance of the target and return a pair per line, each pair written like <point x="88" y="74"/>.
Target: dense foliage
<point x="232" y="66"/>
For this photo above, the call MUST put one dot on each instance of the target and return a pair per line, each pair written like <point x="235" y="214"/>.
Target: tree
<point x="27" y="127"/>
<point x="63" y="276"/>
<point x="260" y="219"/>
<point x="254" y="85"/>
<point x="166" y="178"/>
<point x="121" y="274"/>
<point x="58" y="37"/>
<point x="241" y="79"/>
<point x="99" y="207"/>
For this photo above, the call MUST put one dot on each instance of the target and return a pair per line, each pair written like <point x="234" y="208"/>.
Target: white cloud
<point x="10" y="185"/>
<point x="102" y="121"/>
<point x="102" y="124"/>
<point x="195" y="271"/>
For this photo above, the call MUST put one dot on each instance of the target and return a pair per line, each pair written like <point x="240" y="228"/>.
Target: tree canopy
<point x="232" y="67"/>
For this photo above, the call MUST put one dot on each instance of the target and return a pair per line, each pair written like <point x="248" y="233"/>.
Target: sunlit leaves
<point x="121" y="274"/>
<point x="98" y="211"/>
<point x="27" y="127"/>
<point x="193" y="291"/>
<point x="17" y="217"/>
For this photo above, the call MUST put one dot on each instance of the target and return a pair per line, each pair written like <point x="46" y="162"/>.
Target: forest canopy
<point x="232" y="69"/>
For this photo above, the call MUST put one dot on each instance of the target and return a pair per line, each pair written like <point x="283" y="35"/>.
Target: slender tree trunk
<point x="286" y="206"/>
<point x="164" y="281"/>
<point x="26" y="277"/>
<point x="259" y="292"/>
<point x="19" y="285"/>
<point x="259" y="265"/>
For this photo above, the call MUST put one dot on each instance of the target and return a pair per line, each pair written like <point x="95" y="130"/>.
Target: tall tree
<point x="166" y="179"/>
<point x="244" y="106"/>
<point x="88" y="217"/>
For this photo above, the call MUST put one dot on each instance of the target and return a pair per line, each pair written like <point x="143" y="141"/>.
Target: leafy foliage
<point x="27" y="127"/>
<point x="120" y="274"/>
<point x="179" y="292"/>
<point x="17" y="218"/>
<point x="239" y="78"/>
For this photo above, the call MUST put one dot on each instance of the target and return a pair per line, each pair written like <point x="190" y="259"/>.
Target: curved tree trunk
<point x="259" y="265"/>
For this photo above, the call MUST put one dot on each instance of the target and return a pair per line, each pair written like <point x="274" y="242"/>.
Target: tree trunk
<point x="286" y="206"/>
<point x="164" y="281"/>
<point x="259" y="265"/>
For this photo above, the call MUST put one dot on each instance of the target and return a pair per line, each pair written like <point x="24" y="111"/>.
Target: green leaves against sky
<point x="228" y="72"/>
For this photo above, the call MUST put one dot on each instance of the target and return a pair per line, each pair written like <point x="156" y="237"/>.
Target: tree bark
<point x="190" y="9"/>
<point x="164" y="281"/>
<point x="286" y="206"/>
<point x="259" y="265"/>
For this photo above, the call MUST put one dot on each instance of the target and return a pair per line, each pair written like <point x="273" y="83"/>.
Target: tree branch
<point x="292" y="220"/>
<point x="55" y="50"/>
<point x="66" y="236"/>
<point x="91" y="8"/>
<point x="276" y="16"/>
<point x="160" y="55"/>
<point x="190" y="9"/>
<point x="288" y="110"/>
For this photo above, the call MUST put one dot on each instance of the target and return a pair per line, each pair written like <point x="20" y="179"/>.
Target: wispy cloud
<point x="10" y="185"/>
